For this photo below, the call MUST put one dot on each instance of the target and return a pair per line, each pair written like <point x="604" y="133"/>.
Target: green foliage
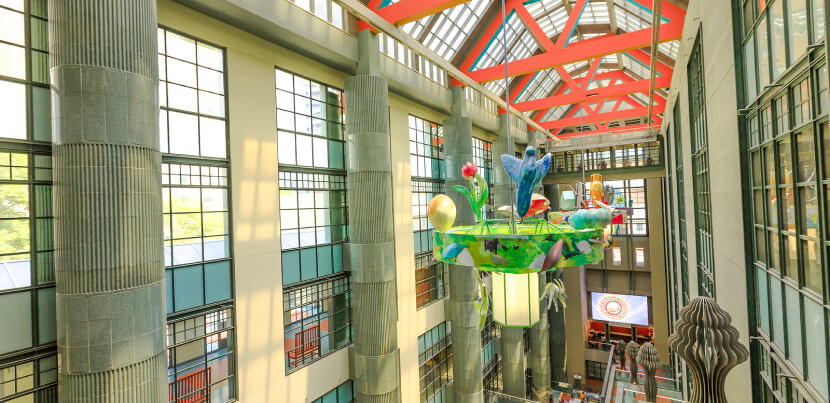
<point x="14" y="220"/>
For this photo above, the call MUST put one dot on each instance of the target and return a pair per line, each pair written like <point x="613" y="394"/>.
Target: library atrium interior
<point x="418" y="201"/>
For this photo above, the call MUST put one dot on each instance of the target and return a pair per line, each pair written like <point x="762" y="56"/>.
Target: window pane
<point x="187" y="287"/>
<point x="818" y="31"/>
<point x="184" y="133"/>
<point x="46" y="315"/>
<point x="779" y="55"/>
<point x="763" y="301"/>
<point x="794" y="318"/>
<point x="763" y="52"/>
<point x="13" y="109"/>
<point x="815" y="331"/>
<point x="777" y="314"/>
<point x="16" y="333"/>
<point x="797" y="28"/>
<point x="217" y="281"/>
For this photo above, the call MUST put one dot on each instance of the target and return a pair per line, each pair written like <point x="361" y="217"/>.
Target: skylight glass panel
<point x="541" y="85"/>
<point x="595" y="13"/>
<point x="520" y="44"/>
<point x="635" y="66"/>
<point x="451" y="27"/>
<point x="670" y="49"/>
<point x="555" y="113"/>
<point x="550" y="14"/>
<point x="640" y="97"/>
<point x="629" y="16"/>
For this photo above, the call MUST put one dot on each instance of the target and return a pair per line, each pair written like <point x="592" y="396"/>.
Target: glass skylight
<point x="520" y="44"/>
<point x="550" y="14"/>
<point x="541" y="85"/>
<point x="451" y="27"/>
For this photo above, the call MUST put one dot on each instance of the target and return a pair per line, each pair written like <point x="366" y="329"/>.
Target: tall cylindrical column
<point x="107" y="194"/>
<point x="375" y="356"/>
<point x="558" y="339"/>
<point x="540" y="350"/>
<point x="464" y="316"/>
<point x="512" y="338"/>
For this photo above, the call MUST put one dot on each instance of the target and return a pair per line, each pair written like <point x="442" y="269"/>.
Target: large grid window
<point x="310" y="129"/>
<point x="317" y="320"/>
<point x="483" y="158"/>
<point x="700" y="171"/>
<point x="196" y="219"/>
<point x="681" y="208"/>
<point x="28" y="364"/>
<point x="630" y="194"/>
<point x="435" y="360"/>
<point x="191" y="96"/>
<point x="313" y="218"/>
<point x="312" y="224"/>
<point x="200" y="357"/>
<point x="24" y="80"/>
<point x="426" y="156"/>
<point x="341" y="394"/>
<point x="197" y="241"/>
<point x="789" y="167"/>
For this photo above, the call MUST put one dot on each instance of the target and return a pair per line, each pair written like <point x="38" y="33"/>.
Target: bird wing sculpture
<point x="526" y="173"/>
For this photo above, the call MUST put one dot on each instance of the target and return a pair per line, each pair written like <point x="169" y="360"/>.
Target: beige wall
<point x="714" y="18"/>
<point x="258" y="280"/>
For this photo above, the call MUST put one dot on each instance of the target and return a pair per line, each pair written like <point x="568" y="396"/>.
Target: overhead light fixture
<point x="515" y="299"/>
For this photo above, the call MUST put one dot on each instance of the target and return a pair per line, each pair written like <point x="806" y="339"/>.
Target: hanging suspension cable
<point x="513" y="228"/>
<point x="657" y="9"/>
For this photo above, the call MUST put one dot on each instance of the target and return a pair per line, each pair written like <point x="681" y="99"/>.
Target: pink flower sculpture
<point x="469" y="170"/>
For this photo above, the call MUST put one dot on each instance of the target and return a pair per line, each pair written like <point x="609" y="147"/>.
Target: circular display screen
<point x="614" y="307"/>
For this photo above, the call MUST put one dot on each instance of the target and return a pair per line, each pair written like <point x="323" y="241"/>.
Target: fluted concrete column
<point x="540" y="350"/>
<point x="512" y="338"/>
<point x="464" y="317"/>
<point x="107" y="198"/>
<point x="558" y="339"/>
<point x="375" y="358"/>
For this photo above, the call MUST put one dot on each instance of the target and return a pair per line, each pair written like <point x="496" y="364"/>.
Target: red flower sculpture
<point x="469" y="170"/>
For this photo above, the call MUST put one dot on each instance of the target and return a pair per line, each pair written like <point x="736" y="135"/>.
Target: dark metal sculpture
<point x="648" y="359"/>
<point x="708" y="343"/>
<point x="619" y="348"/>
<point x="631" y="349"/>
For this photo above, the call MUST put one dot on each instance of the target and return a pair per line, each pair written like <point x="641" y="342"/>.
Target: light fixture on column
<point x="515" y="299"/>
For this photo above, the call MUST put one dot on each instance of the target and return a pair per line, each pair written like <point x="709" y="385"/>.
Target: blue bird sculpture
<point x="526" y="173"/>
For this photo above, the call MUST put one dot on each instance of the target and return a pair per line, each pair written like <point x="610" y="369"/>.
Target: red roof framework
<point x="577" y="67"/>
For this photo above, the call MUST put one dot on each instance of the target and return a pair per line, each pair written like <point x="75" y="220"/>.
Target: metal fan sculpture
<point x="631" y="349"/>
<point x="707" y="341"/>
<point x="648" y="359"/>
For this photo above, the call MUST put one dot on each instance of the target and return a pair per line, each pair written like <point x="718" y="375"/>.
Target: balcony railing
<point x="599" y="159"/>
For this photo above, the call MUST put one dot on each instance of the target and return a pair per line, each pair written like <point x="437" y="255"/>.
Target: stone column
<point x="375" y="358"/>
<point x="464" y="316"/>
<point x="107" y="198"/>
<point x="540" y="349"/>
<point x="512" y="338"/>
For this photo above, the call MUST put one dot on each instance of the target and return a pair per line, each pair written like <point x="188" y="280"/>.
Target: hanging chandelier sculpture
<point x="517" y="248"/>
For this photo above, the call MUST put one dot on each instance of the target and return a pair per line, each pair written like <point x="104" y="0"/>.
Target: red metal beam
<point x="406" y="11"/>
<point x="601" y="117"/>
<point x="544" y="42"/>
<point x="573" y="18"/>
<point x="621" y="129"/>
<point x="580" y="51"/>
<point x="592" y="95"/>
